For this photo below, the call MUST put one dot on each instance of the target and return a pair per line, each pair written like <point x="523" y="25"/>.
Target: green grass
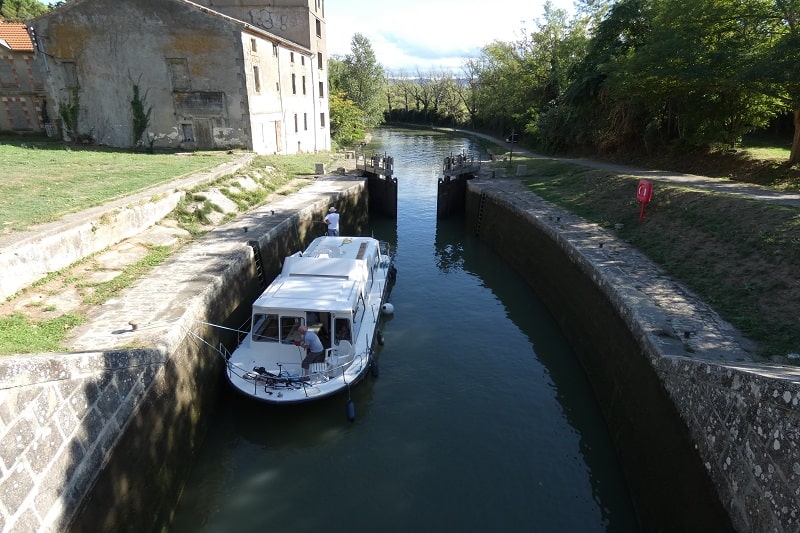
<point x="740" y="256"/>
<point x="19" y="335"/>
<point x="766" y="148"/>
<point x="293" y="165"/>
<point x="45" y="182"/>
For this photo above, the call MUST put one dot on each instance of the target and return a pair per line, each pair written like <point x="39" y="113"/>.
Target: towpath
<point x="690" y="180"/>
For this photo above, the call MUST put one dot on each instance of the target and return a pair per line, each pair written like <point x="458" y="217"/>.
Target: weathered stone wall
<point x="99" y="439"/>
<point x="745" y="419"/>
<point x="707" y="438"/>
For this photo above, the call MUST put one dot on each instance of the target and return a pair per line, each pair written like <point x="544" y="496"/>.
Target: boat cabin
<point x="323" y="287"/>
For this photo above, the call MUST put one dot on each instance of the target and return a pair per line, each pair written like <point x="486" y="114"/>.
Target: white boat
<point x="337" y="288"/>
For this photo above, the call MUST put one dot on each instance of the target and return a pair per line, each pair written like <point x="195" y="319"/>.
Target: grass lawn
<point x="83" y="178"/>
<point x="739" y="255"/>
<point x="43" y="182"/>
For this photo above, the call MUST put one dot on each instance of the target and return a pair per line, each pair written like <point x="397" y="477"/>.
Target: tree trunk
<point x="794" y="156"/>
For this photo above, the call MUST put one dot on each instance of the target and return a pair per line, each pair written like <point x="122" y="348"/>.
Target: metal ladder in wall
<point x="259" y="263"/>
<point x="479" y="217"/>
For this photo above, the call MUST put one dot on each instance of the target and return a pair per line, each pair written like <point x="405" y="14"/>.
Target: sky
<point x="429" y="35"/>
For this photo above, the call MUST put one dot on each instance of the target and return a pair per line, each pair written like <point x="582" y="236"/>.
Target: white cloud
<point x="432" y="34"/>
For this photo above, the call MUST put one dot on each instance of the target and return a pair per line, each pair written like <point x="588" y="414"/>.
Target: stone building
<point x="228" y="74"/>
<point x="22" y="95"/>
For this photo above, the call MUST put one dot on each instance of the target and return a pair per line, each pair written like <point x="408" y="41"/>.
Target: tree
<point x="513" y="84"/>
<point x="502" y="87"/>
<point x="360" y="79"/>
<point x="346" y="120"/>
<point x="690" y="73"/>
<point x="588" y="115"/>
<point x="469" y="90"/>
<point x="22" y="10"/>
<point x="549" y="55"/>
<point x="776" y="66"/>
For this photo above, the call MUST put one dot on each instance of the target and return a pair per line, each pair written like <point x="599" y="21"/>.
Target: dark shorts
<point x="312" y="357"/>
<point x="333" y="233"/>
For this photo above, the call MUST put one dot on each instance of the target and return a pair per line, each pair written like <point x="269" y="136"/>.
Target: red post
<point x="644" y="192"/>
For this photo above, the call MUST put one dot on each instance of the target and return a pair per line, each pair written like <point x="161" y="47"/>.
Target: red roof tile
<point x="15" y="36"/>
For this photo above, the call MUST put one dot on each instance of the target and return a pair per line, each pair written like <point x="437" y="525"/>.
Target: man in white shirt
<point x="332" y="220"/>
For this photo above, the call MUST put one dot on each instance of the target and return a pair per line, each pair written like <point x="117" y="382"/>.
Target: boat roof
<point x="331" y="295"/>
<point x="324" y="277"/>
<point x="356" y="248"/>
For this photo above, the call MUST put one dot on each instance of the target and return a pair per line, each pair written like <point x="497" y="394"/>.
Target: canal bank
<point x="99" y="438"/>
<point x="136" y="415"/>
<point x="670" y="375"/>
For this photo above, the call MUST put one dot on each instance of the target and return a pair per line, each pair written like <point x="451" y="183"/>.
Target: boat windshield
<point x="275" y="328"/>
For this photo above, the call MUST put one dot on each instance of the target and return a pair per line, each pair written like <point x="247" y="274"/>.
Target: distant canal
<point x="480" y="420"/>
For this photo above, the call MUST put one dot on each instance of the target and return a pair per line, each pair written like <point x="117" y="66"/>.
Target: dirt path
<point x="689" y="180"/>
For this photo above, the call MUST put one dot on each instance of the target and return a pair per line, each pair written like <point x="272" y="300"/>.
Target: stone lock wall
<point x="707" y="438"/>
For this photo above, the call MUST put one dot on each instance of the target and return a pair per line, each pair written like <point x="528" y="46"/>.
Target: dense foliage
<point x="625" y="75"/>
<point x="356" y="92"/>
<point x="22" y="10"/>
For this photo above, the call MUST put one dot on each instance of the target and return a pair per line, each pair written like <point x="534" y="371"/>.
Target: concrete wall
<point x="99" y="439"/>
<point x="103" y="47"/>
<point x="707" y="437"/>
<point x="194" y="69"/>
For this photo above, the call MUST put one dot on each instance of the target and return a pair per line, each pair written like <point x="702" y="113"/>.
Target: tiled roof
<point x="14" y="36"/>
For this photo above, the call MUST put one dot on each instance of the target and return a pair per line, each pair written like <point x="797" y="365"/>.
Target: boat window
<point x="358" y="313"/>
<point x="265" y="328"/>
<point x="289" y="325"/>
<point x="343" y="331"/>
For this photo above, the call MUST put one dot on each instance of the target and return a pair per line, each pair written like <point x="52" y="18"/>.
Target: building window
<point x="319" y="60"/>
<point x="321" y="90"/>
<point x="253" y="45"/>
<point x="319" y="28"/>
<point x="188" y="134"/>
<point x="291" y="57"/>
<point x="295" y="123"/>
<point x="303" y="60"/>
<point x="304" y="85"/>
<point x="294" y="84"/>
<point x="179" y="73"/>
<point x="70" y="74"/>
<point x="322" y="120"/>
<point x="256" y="79"/>
<point x="275" y="49"/>
<point x="305" y="121"/>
